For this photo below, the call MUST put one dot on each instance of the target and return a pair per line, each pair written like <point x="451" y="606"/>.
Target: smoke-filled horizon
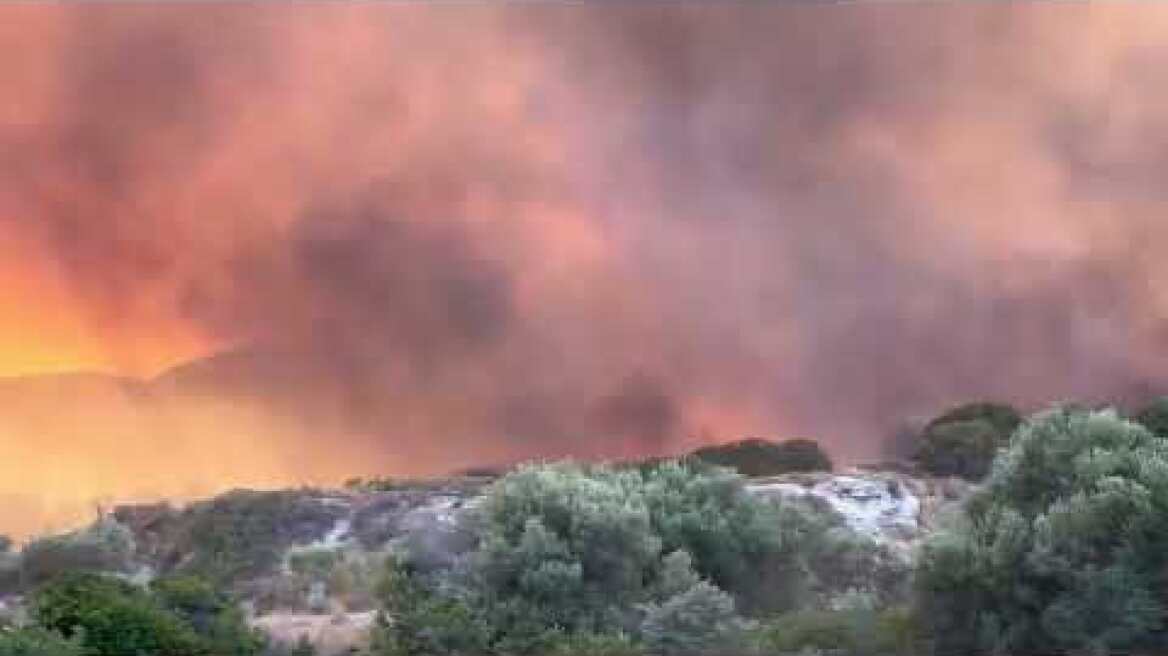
<point x="426" y="237"/>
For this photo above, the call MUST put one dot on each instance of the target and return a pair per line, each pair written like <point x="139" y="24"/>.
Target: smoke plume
<point x="409" y="238"/>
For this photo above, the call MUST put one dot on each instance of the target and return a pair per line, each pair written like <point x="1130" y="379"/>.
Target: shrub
<point x="176" y="617"/>
<point x="105" y="546"/>
<point x="566" y="546"/>
<point x="112" y="618"/>
<point x="1004" y="418"/>
<point x="1066" y="547"/>
<point x="1154" y="416"/>
<point x="303" y="647"/>
<point x="35" y="641"/>
<point x="851" y="632"/>
<point x="963" y="441"/>
<point x="593" y="644"/>
<point x="959" y="448"/>
<point x="573" y="557"/>
<point x="9" y="573"/>
<point x="692" y="621"/>
<point x="214" y="617"/>
<point x="754" y="549"/>
<point x="419" y="621"/>
<point x="757" y="457"/>
<point x="243" y="534"/>
<point x="316" y="563"/>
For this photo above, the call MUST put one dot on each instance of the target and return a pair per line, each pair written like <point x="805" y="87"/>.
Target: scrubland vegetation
<point x="1062" y="549"/>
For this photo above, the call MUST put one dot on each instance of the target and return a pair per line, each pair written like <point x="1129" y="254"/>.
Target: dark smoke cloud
<point x="476" y="234"/>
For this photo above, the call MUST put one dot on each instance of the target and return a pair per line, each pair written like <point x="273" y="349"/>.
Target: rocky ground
<point x="894" y="508"/>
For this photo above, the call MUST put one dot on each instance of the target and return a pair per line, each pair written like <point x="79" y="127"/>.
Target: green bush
<point x="112" y="618"/>
<point x="105" y="546"/>
<point x="35" y="641"/>
<point x="176" y="617"/>
<point x="575" y="556"/>
<point x="850" y="632"/>
<point x="1004" y="418"/>
<point x="566" y="546"/>
<point x="214" y="617"/>
<point x="693" y="621"/>
<point x="963" y="441"/>
<point x="757" y="457"/>
<point x="302" y="647"/>
<point x="1154" y="416"/>
<point x="316" y="563"/>
<point x="243" y="534"/>
<point x="593" y="644"/>
<point x="423" y="621"/>
<point x="1065" y="548"/>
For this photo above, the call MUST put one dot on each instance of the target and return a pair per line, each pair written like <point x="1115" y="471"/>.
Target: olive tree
<point x="1065" y="547"/>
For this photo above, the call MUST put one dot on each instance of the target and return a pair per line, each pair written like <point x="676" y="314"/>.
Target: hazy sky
<point x="465" y="233"/>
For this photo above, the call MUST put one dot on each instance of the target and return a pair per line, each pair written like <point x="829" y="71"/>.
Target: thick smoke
<point x="426" y="237"/>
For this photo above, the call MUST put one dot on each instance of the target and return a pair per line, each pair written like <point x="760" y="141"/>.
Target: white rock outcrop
<point x="893" y="509"/>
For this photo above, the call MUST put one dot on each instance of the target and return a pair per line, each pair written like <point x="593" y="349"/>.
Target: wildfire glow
<point x="305" y="242"/>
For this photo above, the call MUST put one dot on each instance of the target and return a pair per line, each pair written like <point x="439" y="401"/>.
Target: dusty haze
<point x="425" y="237"/>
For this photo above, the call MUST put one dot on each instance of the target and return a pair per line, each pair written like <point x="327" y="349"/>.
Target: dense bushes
<point x="695" y="620"/>
<point x="243" y="534"/>
<point x="104" y="546"/>
<point x="111" y="617"/>
<point x="858" y="631"/>
<point x="9" y="573"/>
<point x="35" y="641"/>
<point x="1154" y="416"/>
<point x="963" y="441"/>
<point x="607" y="560"/>
<point x="1065" y="548"/>
<point x="218" y="621"/>
<point x="756" y="457"/>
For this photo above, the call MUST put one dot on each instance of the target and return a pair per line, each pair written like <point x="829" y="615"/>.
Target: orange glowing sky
<point x="422" y="237"/>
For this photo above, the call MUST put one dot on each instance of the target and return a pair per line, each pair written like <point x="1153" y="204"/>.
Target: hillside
<point x="298" y="557"/>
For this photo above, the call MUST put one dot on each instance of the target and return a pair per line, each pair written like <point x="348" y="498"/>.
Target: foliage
<point x="1066" y="547"/>
<point x="314" y="576"/>
<point x="176" y="617"/>
<point x="35" y="641"/>
<point x="217" y="620"/>
<point x="423" y="621"/>
<point x="112" y="618"/>
<point x="692" y="621"/>
<point x="595" y="559"/>
<point x="566" y="546"/>
<point x="853" y="631"/>
<point x="757" y="457"/>
<point x="105" y="546"/>
<point x="317" y="563"/>
<point x="9" y="573"/>
<point x="1004" y="418"/>
<point x="1154" y="416"/>
<point x="243" y="534"/>
<point x="963" y="441"/>
<point x="303" y="647"/>
<point x="768" y="555"/>
<point x="593" y="644"/>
